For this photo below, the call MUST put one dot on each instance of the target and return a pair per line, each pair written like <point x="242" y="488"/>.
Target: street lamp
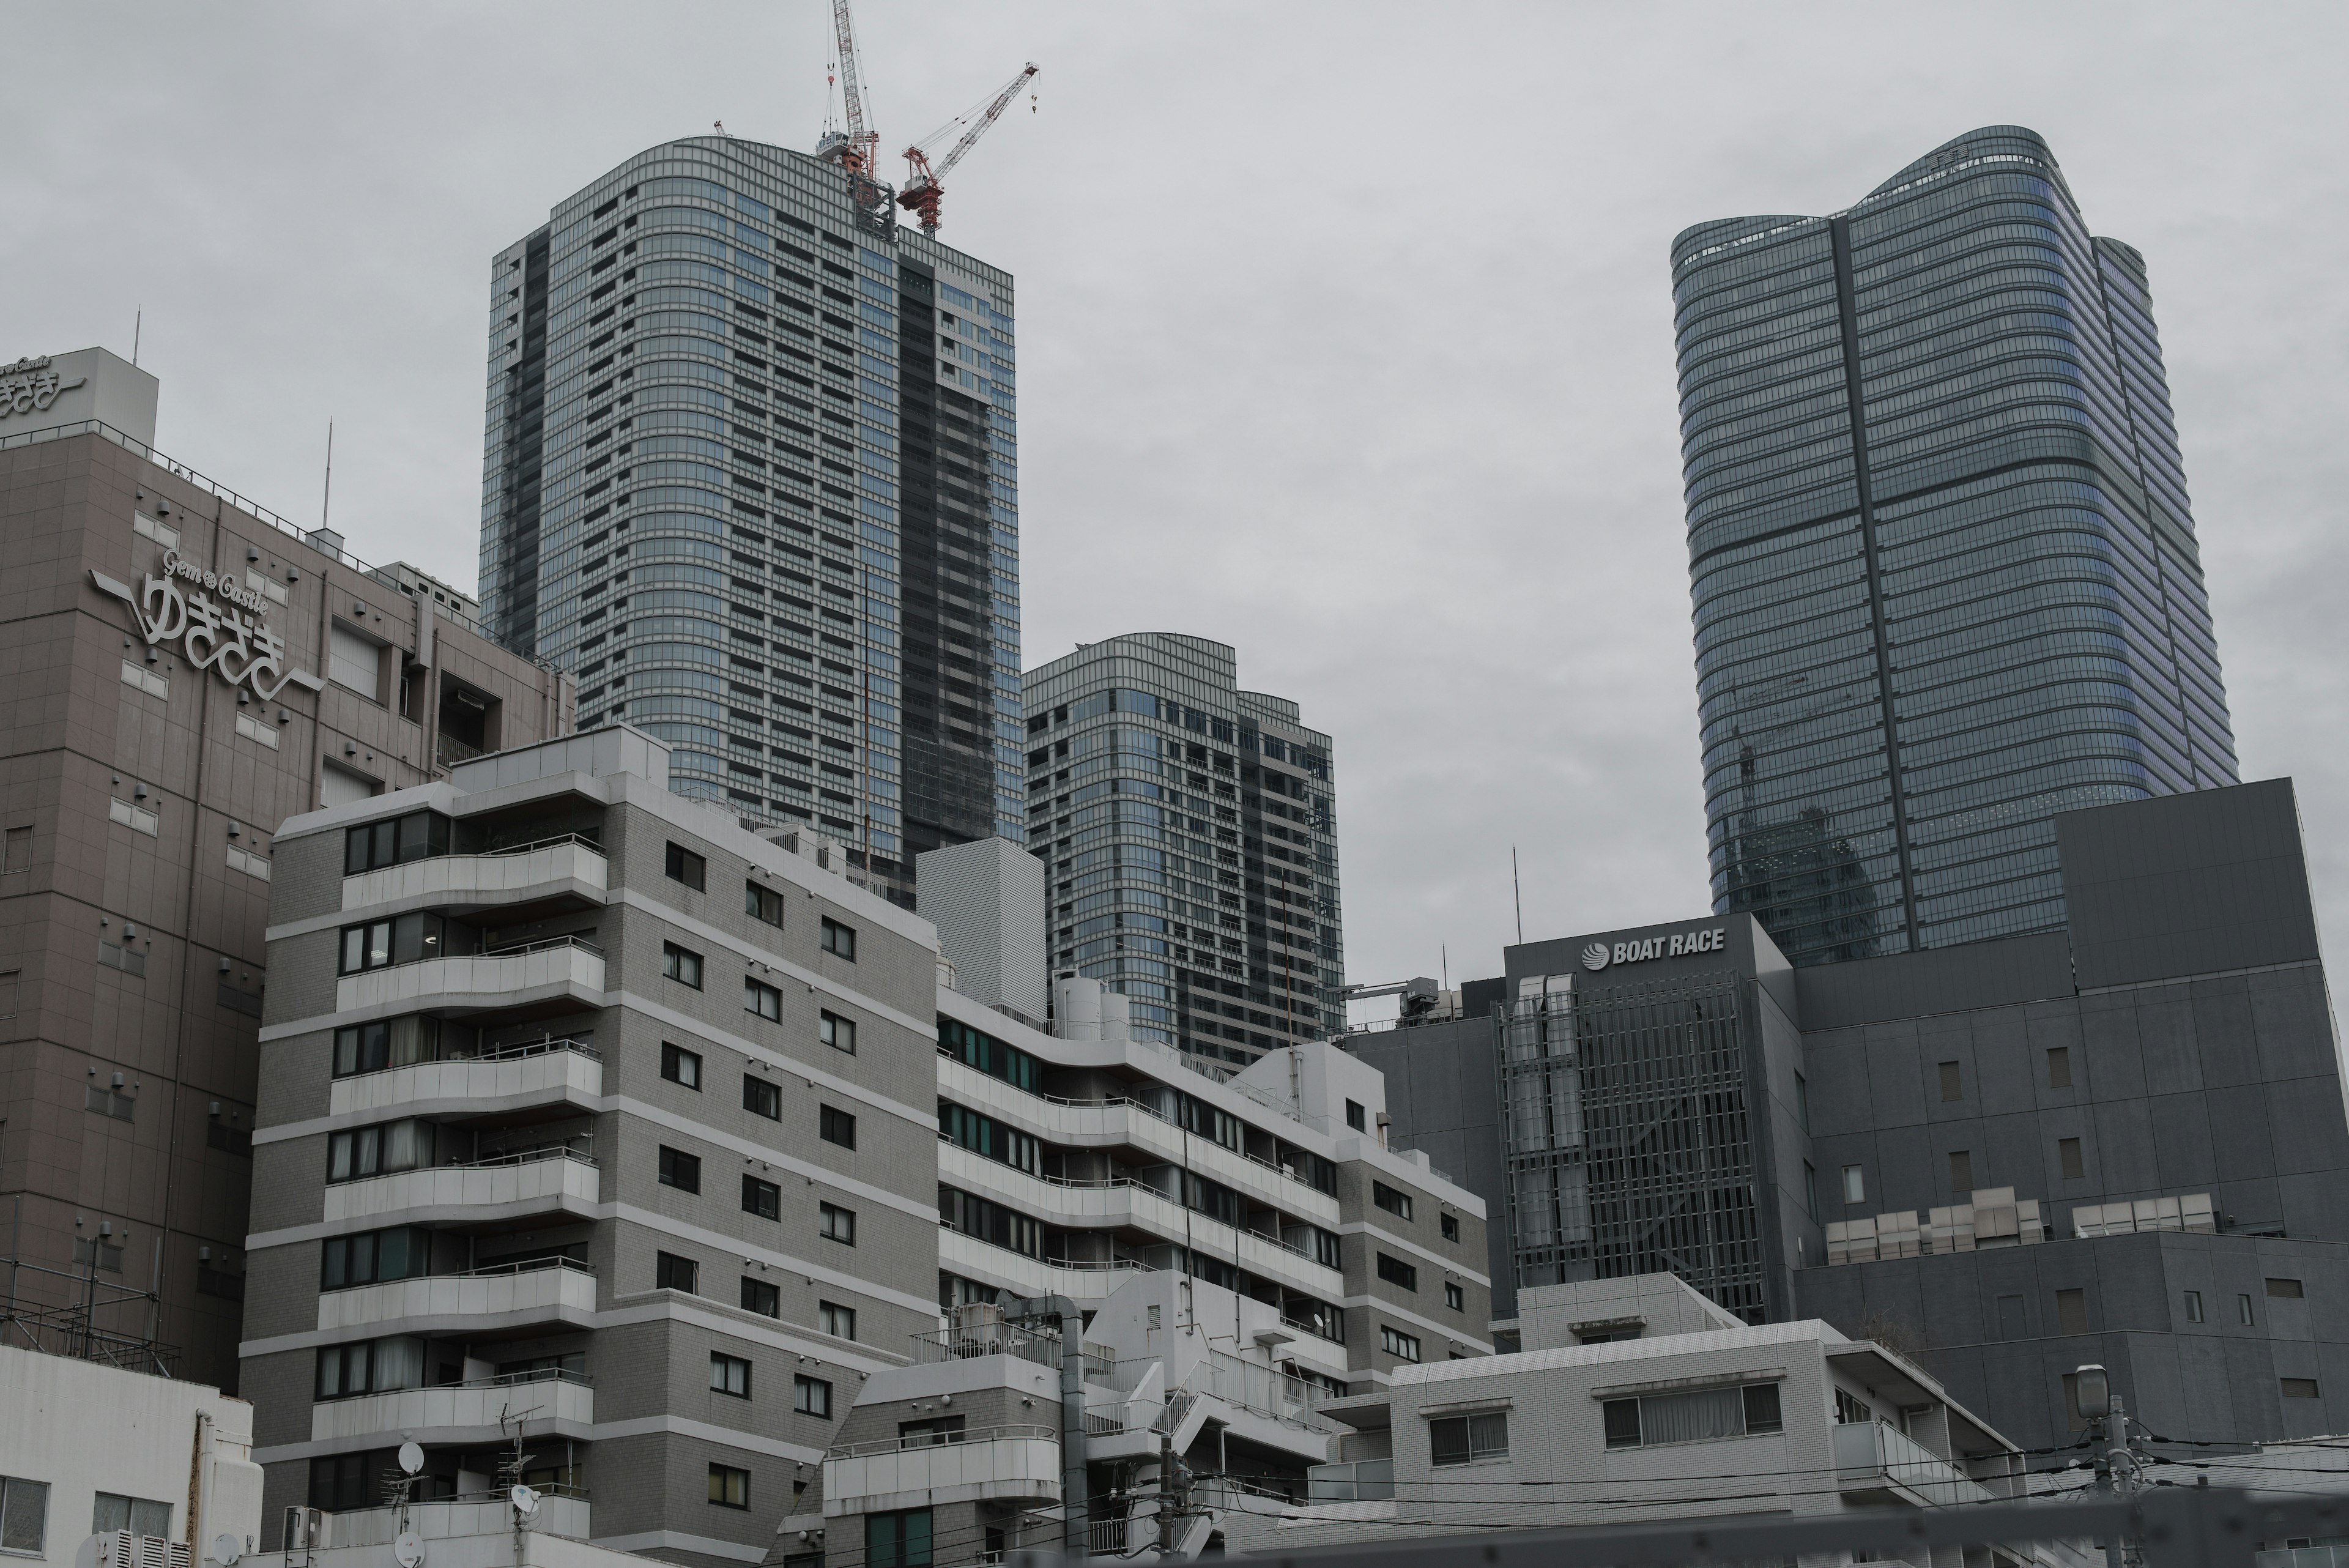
<point x="2091" y="1392"/>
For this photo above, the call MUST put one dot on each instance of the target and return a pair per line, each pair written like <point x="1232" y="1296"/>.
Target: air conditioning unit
<point x="121" y="1549"/>
<point x="308" y="1529"/>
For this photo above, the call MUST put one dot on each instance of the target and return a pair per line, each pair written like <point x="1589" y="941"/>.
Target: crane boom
<point x="861" y="141"/>
<point x="924" y="182"/>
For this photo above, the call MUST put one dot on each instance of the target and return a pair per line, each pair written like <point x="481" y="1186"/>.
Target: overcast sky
<point x="1345" y="331"/>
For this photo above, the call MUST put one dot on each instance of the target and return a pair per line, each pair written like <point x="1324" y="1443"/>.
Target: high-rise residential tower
<point x="1945" y="575"/>
<point x="1192" y="838"/>
<point x="751" y="473"/>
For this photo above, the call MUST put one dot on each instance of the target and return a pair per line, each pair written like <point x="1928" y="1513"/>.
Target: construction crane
<point x="857" y="149"/>
<point x="924" y="182"/>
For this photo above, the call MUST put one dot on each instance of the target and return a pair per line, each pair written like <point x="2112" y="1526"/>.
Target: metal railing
<point x="509" y="1053"/>
<point x="519" y="1157"/>
<point x="488" y="1271"/>
<point x="999" y="1339"/>
<point x="540" y="946"/>
<point x="915" y="1440"/>
<point x="579" y="839"/>
<point x="1359" y="1480"/>
<point x="1866" y="1449"/>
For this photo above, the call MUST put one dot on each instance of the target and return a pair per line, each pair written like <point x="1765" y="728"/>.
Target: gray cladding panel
<point x="1939" y="980"/>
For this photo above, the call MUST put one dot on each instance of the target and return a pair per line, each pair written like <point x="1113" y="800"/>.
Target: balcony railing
<point x="562" y="1510"/>
<point x="997" y="1339"/>
<point x="548" y="1174"/>
<point x="1869" y="1454"/>
<point x="991" y="1462"/>
<point x="531" y="1288"/>
<point x="512" y="868"/>
<point x="534" y="1066"/>
<point x="1361" y="1481"/>
<point x="486" y="978"/>
<point x="483" y="1405"/>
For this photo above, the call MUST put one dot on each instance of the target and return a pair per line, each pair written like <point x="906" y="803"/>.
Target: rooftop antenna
<point x="1446" y="951"/>
<point x="138" y="323"/>
<point x="1517" y="892"/>
<point x="326" y="499"/>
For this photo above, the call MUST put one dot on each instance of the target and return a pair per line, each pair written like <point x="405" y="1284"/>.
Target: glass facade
<point x="1191" y="832"/>
<point x="752" y="475"/>
<point x="1943" y="567"/>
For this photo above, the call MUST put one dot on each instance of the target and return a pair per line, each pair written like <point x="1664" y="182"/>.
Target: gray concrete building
<point x="2124" y="1142"/>
<point x="1191" y="828"/>
<point x="185" y="669"/>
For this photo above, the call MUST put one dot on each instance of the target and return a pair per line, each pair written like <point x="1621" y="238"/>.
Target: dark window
<point x="1810" y="1190"/>
<point x="679" y="1065"/>
<point x="763" y="1198"/>
<point x="897" y="1540"/>
<point x="362" y="1152"/>
<point x="837" y="1126"/>
<point x="998" y="1060"/>
<point x="730" y="1374"/>
<point x="762" y="1097"/>
<point x="762" y="903"/>
<point x="839" y="1322"/>
<point x="2059" y="1067"/>
<point x="686" y="867"/>
<point x="1454" y="1297"/>
<point x="418" y="836"/>
<point x="1961" y="1170"/>
<point x="2284" y="1290"/>
<point x="1395" y="1203"/>
<point x="760" y="1297"/>
<point x="1762" y="1408"/>
<point x="836" y="1031"/>
<point x="680" y="1170"/>
<point x="2298" y="1387"/>
<point x="1396" y="1343"/>
<point x="374" y="1257"/>
<point x="2194" y="1306"/>
<point x="1355" y="1116"/>
<point x="138" y="1515"/>
<point x="840" y="941"/>
<point x="1622" y="1420"/>
<point x="406" y="939"/>
<point x="678" y="964"/>
<point x="384" y="1043"/>
<point x="1952" y="1085"/>
<point x="671" y="1273"/>
<point x="2072" y="1312"/>
<point x="1450" y="1224"/>
<point x="729" y="1487"/>
<point x="2243" y="1311"/>
<point x="763" y="1000"/>
<point x="2067" y="1151"/>
<point x="369" y="1367"/>
<point x="837" y="1224"/>
<point x="1395" y="1272"/>
<point x="811" y="1395"/>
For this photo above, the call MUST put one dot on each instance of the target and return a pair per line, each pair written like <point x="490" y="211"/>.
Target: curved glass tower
<point x="752" y="476"/>
<point x="1944" y="572"/>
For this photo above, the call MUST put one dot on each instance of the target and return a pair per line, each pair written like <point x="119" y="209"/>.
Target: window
<point x="1952" y="1084"/>
<point x="1400" y="1346"/>
<point x="678" y="964"/>
<point x="374" y="1257"/>
<point x="1395" y="1203"/>
<point x="837" y="1224"/>
<point x="729" y="1487"/>
<point x="18" y="857"/>
<point x="1854" y="1185"/>
<point x="418" y="836"/>
<point x="1961" y="1170"/>
<point x="680" y="1170"/>
<point x="1454" y="1297"/>
<point x="686" y="867"/>
<point x="136" y="1514"/>
<point x="763" y="1000"/>
<point x="1450" y="1225"/>
<point x="1850" y="1408"/>
<point x="839" y="1322"/>
<point x="762" y="1097"/>
<point x="353" y="662"/>
<point x="1355" y="1116"/>
<point x="839" y="940"/>
<point x="24" y="1515"/>
<point x="1464" y="1439"/>
<point x="679" y="1065"/>
<point x="763" y="1198"/>
<point x="1395" y="1272"/>
<point x="2067" y="1151"/>
<point x="406" y="939"/>
<point x="2244" y="1312"/>
<point x="730" y="1374"/>
<point x="2285" y="1290"/>
<point x="836" y="1031"/>
<point x="760" y="1297"/>
<point x="812" y="1396"/>
<point x="897" y="1540"/>
<point x="2072" y="1312"/>
<point x="762" y="903"/>
<point x="2298" y="1387"/>
<point x="932" y="1433"/>
<point x="986" y="1137"/>
<point x="2059" y="1066"/>
<point x="369" y="1367"/>
<point x="2194" y="1306"/>
<point x="384" y="1043"/>
<point x="362" y="1152"/>
<point x="1810" y="1190"/>
<point x="1704" y="1414"/>
<point x="671" y="1273"/>
<point x="837" y="1126"/>
<point x="998" y="1060"/>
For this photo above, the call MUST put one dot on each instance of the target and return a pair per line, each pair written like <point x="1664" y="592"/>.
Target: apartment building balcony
<point x="554" y="1179"/>
<point x="504" y="1295"/>
<point x="550" y="867"/>
<point x="508" y="1078"/>
<point x="1358" y="1480"/>
<point x="562" y="1510"/>
<point x="1879" y="1464"/>
<point x="993" y="1462"/>
<point x="558" y="966"/>
<point x="1026" y="1276"/>
<point x="545" y="1403"/>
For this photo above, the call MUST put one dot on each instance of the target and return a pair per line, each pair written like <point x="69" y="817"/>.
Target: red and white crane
<point x="925" y="183"/>
<point x="857" y="151"/>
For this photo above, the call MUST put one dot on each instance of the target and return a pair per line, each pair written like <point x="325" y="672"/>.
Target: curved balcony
<point x="560" y="966"/>
<point x="560" y="1512"/>
<point x="503" y="1296"/>
<point x="512" y="1077"/>
<point x="992" y="1462"/>
<point x="547" y="868"/>
<point x="546" y="1403"/>
<point x="503" y="1186"/>
<point x="1090" y="1283"/>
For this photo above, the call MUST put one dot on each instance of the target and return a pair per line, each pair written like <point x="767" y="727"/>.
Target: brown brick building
<point x="179" y="671"/>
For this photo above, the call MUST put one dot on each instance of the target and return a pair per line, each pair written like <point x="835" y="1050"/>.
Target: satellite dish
<point x="408" y="1548"/>
<point x="525" y="1500"/>
<point x="95" y="1552"/>
<point x="226" y="1549"/>
<point x="411" y="1459"/>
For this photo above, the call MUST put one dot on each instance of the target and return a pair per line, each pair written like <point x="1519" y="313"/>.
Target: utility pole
<point x="2120" y="1468"/>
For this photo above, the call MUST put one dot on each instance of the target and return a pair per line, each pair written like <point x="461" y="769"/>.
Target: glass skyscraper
<point x="1191" y="831"/>
<point x="752" y="476"/>
<point x="1945" y="577"/>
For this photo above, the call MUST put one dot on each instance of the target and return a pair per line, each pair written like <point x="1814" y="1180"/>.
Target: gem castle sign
<point x="226" y="634"/>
